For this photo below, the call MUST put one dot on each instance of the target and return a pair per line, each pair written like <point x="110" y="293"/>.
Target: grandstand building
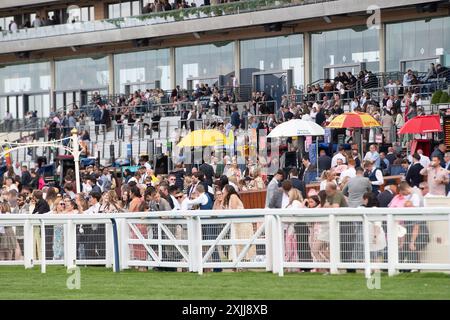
<point x="79" y="47"/>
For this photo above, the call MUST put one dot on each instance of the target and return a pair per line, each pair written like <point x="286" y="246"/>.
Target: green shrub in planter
<point x="436" y="97"/>
<point x="444" y="98"/>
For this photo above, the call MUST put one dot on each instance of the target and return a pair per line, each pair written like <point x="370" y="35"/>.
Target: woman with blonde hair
<point x="59" y="207"/>
<point x="110" y="203"/>
<point x="327" y="176"/>
<point x="242" y="230"/>
<point x="258" y="182"/>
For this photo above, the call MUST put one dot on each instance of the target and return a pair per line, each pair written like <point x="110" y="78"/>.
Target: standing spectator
<point x="413" y="176"/>
<point x="273" y="186"/>
<point x="373" y="155"/>
<point x="440" y="153"/>
<point x="375" y="176"/>
<point x="437" y="177"/>
<point x="324" y="161"/>
<point x="26" y="176"/>
<point x="356" y="188"/>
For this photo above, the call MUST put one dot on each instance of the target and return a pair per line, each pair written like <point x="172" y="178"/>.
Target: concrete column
<point x="237" y="60"/>
<point x="382" y="46"/>
<point x="53" y="85"/>
<point x="100" y="11"/>
<point x="306" y="58"/>
<point x="111" y="74"/>
<point x="172" y="64"/>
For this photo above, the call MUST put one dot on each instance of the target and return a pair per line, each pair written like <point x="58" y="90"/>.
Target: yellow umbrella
<point x="354" y="120"/>
<point x="203" y="138"/>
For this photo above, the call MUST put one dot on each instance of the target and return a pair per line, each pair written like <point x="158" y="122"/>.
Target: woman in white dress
<point x="242" y="230"/>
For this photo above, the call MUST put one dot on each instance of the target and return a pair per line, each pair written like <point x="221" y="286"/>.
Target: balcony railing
<point x="154" y="18"/>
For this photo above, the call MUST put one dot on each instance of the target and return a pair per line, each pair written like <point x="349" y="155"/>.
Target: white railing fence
<point x="271" y="239"/>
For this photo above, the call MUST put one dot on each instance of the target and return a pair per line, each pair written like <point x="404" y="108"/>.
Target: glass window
<point x="144" y="67"/>
<point x="204" y="62"/>
<point x="344" y="47"/>
<point x="84" y="73"/>
<point x="25" y="77"/>
<point x="272" y="54"/>
<point x="419" y="40"/>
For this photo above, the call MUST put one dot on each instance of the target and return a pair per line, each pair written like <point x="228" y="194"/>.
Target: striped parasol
<point x="353" y="120"/>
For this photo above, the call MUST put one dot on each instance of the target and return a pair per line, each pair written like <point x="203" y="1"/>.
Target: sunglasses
<point x="179" y="196"/>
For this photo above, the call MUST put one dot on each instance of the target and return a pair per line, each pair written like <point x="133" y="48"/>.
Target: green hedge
<point x="436" y="97"/>
<point x="444" y="98"/>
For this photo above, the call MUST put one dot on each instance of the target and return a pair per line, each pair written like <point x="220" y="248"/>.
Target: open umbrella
<point x="299" y="128"/>
<point x="354" y="120"/>
<point x="296" y="128"/>
<point x="203" y="138"/>
<point x="422" y="124"/>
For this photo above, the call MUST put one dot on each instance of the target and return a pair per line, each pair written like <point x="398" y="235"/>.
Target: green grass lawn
<point x="101" y="283"/>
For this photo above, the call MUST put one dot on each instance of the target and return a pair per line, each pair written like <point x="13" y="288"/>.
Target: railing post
<point x="191" y="244"/>
<point x="28" y="244"/>
<point x="276" y="237"/>
<point x="43" y="260"/>
<point x="366" y="237"/>
<point x="392" y="245"/>
<point x="198" y="253"/>
<point x="334" y="244"/>
<point x="71" y="245"/>
<point x="109" y="246"/>
<point x="124" y="235"/>
<point x="269" y="241"/>
<point x="280" y="246"/>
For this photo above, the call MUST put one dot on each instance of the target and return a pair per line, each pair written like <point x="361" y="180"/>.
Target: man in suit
<point x="385" y="197"/>
<point x="296" y="182"/>
<point x="308" y="170"/>
<point x="356" y="187"/>
<point x="280" y="198"/>
<point x="26" y="176"/>
<point x="273" y="186"/>
<point x="208" y="170"/>
<point x="390" y="156"/>
<point x="413" y="176"/>
<point x="324" y="161"/>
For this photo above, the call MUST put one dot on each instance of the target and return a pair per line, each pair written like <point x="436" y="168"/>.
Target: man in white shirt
<point x="407" y="77"/>
<point x="391" y="88"/>
<point x="375" y="176"/>
<point x="349" y="172"/>
<point x="424" y="160"/>
<point x="373" y="155"/>
<point x="338" y="155"/>
<point x="203" y="200"/>
<point x="94" y="202"/>
<point x="13" y="26"/>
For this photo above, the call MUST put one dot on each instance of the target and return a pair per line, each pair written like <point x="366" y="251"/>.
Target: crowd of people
<point x="347" y="177"/>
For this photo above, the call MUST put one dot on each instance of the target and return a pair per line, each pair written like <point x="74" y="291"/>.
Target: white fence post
<point x="71" y="245"/>
<point x="109" y="245"/>
<point x="392" y="245"/>
<point x="191" y="245"/>
<point x="124" y="250"/>
<point x="268" y="219"/>
<point x="28" y="238"/>
<point x="198" y="253"/>
<point x="43" y="260"/>
<point x="280" y="249"/>
<point x="334" y="244"/>
<point x="366" y="237"/>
